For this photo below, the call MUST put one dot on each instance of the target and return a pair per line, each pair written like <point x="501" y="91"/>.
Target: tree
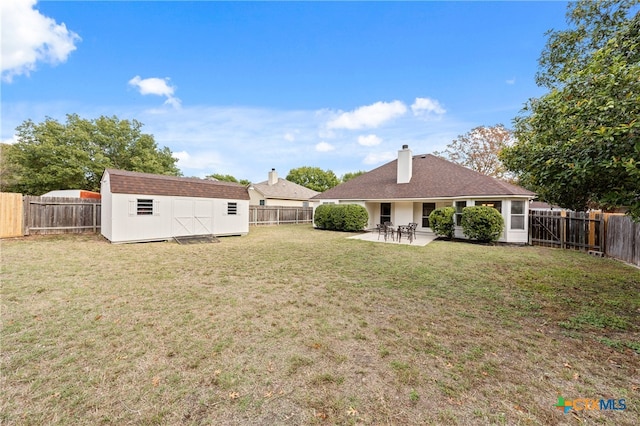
<point x="350" y="175"/>
<point x="228" y="178"/>
<point x="579" y="145"/>
<point x="479" y="150"/>
<point x="313" y="178"/>
<point x="51" y="155"/>
<point x="594" y="24"/>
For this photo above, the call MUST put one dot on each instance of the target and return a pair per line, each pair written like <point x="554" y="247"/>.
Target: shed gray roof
<point x="284" y="190"/>
<point x="432" y="177"/>
<point x="125" y="182"/>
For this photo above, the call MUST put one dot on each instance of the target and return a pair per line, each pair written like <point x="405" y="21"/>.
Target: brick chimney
<point x="273" y="177"/>
<point x="405" y="164"/>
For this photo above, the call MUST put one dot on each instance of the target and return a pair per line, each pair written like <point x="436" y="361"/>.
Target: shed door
<point x="192" y="217"/>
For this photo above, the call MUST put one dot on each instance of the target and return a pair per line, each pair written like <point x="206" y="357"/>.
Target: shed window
<point x="517" y="214"/>
<point x="232" y="208"/>
<point x="144" y="207"/>
<point x="262" y="202"/>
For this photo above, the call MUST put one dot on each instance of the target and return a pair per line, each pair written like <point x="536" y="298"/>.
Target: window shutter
<point x="156" y="207"/>
<point x="132" y="207"/>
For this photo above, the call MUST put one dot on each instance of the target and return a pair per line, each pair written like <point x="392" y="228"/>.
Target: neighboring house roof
<point x="432" y="177"/>
<point x="72" y="193"/>
<point x="125" y="182"/>
<point x="541" y="205"/>
<point x="284" y="190"/>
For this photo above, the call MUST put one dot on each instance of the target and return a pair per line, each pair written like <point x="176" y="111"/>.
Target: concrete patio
<point x="421" y="239"/>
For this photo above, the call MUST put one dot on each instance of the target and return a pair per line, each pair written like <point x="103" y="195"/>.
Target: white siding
<point x="174" y="216"/>
<point x="106" y="218"/>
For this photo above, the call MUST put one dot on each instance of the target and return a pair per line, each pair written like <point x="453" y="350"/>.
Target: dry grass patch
<point x="289" y="325"/>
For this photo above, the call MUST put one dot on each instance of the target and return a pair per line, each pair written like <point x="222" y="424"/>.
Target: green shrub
<point x="441" y="221"/>
<point x="355" y="218"/>
<point x="341" y="217"/>
<point x="321" y="216"/>
<point x="482" y="223"/>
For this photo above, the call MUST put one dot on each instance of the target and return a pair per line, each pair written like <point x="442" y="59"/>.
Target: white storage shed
<point x="139" y="207"/>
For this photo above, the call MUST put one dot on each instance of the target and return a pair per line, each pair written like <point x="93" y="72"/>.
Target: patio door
<point x="427" y="208"/>
<point x="385" y="212"/>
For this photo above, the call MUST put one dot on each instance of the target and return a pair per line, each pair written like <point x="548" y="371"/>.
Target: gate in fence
<point x="567" y="229"/>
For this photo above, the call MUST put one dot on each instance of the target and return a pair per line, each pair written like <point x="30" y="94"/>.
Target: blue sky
<point x="241" y="87"/>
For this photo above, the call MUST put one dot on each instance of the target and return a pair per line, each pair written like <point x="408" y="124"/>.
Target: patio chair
<point x="381" y="231"/>
<point x="413" y="226"/>
<point x="388" y="229"/>
<point x="407" y="231"/>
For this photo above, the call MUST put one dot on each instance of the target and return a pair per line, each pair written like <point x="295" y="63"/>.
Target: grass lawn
<point x="291" y="325"/>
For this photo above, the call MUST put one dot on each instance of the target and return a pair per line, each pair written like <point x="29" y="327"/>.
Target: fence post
<point x="563" y="216"/>
<point x="26" y="211"/>
<point x="95" y="229"/>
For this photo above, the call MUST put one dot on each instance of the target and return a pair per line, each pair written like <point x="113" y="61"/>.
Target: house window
<point x="305" y="204"/>
<point x="262" y="202"/>
<point x="460" y="205"/>
<point x="232" y="208"/>
<point x="517" y="214"/>
<point x="427" y="208"/>
<point x="144" y="207"/>
<point x="385" y="212"/>
<point x="495" y="204"/>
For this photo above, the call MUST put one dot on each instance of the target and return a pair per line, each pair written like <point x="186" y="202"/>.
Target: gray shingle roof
<point x="284" y="190"/>
<point x="432" y="177"/>
<point x="125" y="182"/>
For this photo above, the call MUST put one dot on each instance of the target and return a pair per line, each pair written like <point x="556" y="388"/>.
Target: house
<point x="280" y="192"/>
<point x="73" y="193"/>
<point x="140" y="207"/>
<point x="409" y="188"/>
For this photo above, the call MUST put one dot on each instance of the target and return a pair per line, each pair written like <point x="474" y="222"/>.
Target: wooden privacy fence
<point x="612" y="234"/>
<point x="60" y="215"/>
<point x="623" y="239"/>
<point x="25" y="215"/>
<point x="10" y="215"/>
<point x="276" y="215"/>
<point x="567" y="229"/>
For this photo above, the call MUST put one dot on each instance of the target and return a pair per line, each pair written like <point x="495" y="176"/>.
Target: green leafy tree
<point x="313" y="178"/>
<point x="228" y="178"/>
<point x="479" y="150"/>
<point x="579" y="145"/>
<point x="73" y="155"/>
<point x="350" y="175"/>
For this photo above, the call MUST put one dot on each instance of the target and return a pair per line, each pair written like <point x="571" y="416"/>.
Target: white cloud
<point x="156" y="86"/>
<point x="289" y="137"/>
<point x="29" y="37"/>
<point x="379" y="157"/>
<point x="14" y="139"/>
<point x="511" y="81"/>
<point x="427" y="106"/>
<point x="204" y="160"/>
<point x="369" y="140"/>
<point x="324" y="147"/>
<point x="369" y="116"/>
